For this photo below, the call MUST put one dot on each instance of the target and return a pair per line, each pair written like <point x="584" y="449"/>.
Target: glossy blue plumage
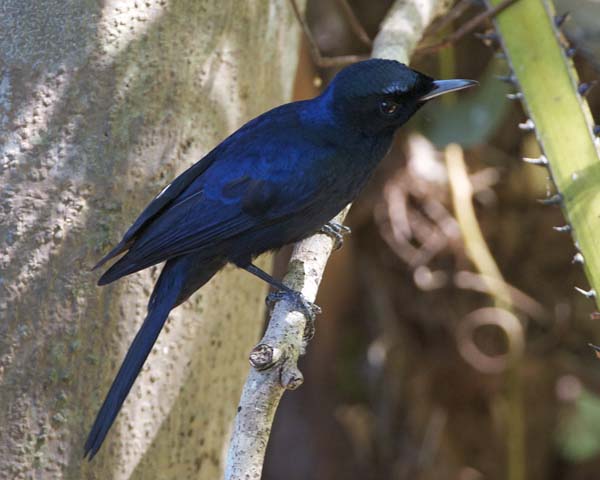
<point x="275" y="181"/>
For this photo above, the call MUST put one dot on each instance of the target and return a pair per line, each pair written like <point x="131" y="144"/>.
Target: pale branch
<point x="274" y="360"/>
<point x="403" y="27"/>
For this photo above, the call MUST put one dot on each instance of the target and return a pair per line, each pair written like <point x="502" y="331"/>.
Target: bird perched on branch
<point x="277" y="180"/>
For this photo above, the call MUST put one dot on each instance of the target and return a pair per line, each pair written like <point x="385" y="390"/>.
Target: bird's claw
<point x="308" y="309"/>
<point x="336" y="231"/>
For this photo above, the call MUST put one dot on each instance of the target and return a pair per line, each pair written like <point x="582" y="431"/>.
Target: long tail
<point x="179" y="278"/>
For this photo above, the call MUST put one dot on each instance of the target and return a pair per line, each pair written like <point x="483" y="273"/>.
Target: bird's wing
<point x="232" y="197"/>
<point x="257" y="131"/>
<point x="162" y="200"/>
<point x="202" y="223"/>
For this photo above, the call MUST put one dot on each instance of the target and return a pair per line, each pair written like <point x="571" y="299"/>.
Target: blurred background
<point x="414" y="372"/>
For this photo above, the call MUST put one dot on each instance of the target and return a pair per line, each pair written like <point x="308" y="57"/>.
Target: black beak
<point x="446" y="86"/>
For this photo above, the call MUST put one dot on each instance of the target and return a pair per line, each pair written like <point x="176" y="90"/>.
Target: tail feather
<point x="120" y="248"/>
<point x="122" y="267"/>
<point x="179" y="278"/>
<point x="134" y="360"/>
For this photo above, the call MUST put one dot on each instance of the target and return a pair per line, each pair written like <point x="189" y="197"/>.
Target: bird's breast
<point x="355" y="164"/>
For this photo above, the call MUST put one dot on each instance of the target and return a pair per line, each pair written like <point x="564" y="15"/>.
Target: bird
<point x="279" y="179"/>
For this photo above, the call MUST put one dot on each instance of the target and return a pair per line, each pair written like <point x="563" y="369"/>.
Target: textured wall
<point x="101" y="104"/>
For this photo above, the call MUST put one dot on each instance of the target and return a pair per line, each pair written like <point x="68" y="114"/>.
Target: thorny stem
<point x="282" y="343"/>
<point x="562" y="121"/>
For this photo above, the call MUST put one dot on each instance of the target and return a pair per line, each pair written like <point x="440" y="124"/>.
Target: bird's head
<point x="377" y="96"/>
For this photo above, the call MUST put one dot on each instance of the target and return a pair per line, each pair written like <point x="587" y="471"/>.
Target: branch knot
<point x="290" y="376"/>
<point x="264" y="356"/>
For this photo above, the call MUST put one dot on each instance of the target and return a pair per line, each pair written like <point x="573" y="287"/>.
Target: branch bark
<point x="274" y="359"/>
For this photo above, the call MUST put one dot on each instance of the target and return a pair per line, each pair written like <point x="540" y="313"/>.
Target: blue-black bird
<point x="280" y="178"/>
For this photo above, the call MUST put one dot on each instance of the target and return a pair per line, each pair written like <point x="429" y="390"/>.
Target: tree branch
<point x="274" y="359"/>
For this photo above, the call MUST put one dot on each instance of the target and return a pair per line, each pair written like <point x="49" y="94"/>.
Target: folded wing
<point x="195" y="223"/>
<point x="241" y="186"/>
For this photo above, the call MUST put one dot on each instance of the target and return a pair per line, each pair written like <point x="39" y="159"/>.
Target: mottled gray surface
<point x="101" y="104"/>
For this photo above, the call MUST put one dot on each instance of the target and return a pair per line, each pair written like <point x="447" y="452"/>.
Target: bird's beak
<point x="446" y="86"/>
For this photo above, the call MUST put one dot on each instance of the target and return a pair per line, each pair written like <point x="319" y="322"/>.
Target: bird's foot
<point x="308" y="309"/>
<point x="336" y="231"/>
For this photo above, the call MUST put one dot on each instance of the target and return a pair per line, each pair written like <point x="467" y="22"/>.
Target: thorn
<point x="541" y="161"/>
<point x="553" y="200"/>
<point x="585" y="87"/>
<point x="511" y="78"/>
<point x="527" y="126"/>
<point x="570" y="52"/>
<point x="563" y="229"/>
<point x="586" y="293"/>
<point x="596" y="130"/>
<point x="578" y="258"/>
<point x="595" y="348"/>
<point x="514" y="96"/>
<point x="560" y="19"/>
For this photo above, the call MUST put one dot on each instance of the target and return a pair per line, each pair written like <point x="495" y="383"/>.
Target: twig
<point x="439" y="25"/>
<point x="465" y="28"/>
<point x="315" y="52"/>
<point x="354" y="23"/>
<point x="274" y="359"/>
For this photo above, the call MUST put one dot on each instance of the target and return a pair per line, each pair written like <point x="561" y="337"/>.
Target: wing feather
<point x="162" y="200"/>
<point x="250" y="186"/>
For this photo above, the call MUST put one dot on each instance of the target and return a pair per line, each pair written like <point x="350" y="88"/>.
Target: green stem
<point x="563" y="122"/>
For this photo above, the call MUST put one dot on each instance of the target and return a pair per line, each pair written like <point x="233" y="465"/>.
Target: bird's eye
<point x="388" y="107"/>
